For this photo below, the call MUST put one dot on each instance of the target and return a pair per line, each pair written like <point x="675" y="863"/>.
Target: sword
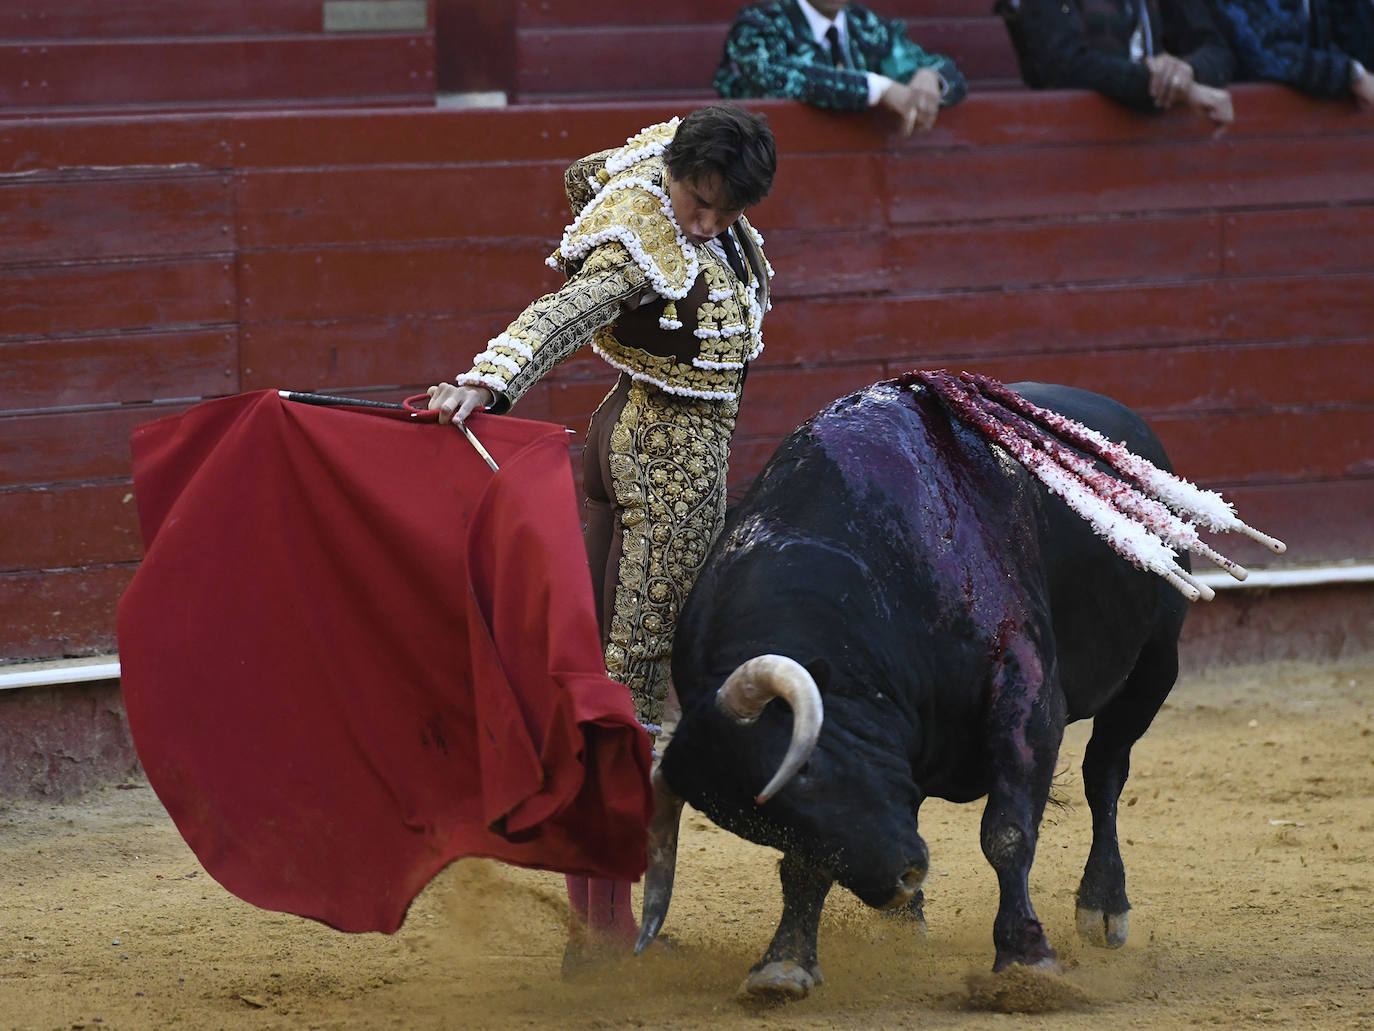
<point x="332" y="401"/>
<point x="477" y="444"/>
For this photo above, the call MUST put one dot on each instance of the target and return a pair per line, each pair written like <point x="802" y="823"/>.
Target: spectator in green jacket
<point x="835" y="54"/>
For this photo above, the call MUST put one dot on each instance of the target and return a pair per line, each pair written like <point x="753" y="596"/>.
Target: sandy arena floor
<point x="1247" y="829"/>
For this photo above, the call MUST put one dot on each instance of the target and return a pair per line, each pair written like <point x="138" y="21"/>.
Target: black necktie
<point x="727" y="244"/>
<point x="837" y="57"/>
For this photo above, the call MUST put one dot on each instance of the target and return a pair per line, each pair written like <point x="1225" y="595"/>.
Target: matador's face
<point x="699" y="206"/>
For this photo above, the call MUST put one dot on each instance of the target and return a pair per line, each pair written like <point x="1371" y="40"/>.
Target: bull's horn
<point x="756" y="683"/>
<point x="658" y="879"/>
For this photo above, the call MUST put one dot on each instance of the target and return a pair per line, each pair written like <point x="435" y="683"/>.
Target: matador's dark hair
<point x="729" y="142"/>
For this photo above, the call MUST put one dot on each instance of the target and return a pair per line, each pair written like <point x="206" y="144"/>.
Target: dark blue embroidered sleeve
<point x="1190" y="32"/>
<point x="1270" y="42"/>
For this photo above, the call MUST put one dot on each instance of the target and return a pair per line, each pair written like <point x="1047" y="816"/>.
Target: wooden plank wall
<point x="1221" y="285"/>
<point x="474" y="46"/>
<point x="601" y="49"/>
<point x="84" y="56"/>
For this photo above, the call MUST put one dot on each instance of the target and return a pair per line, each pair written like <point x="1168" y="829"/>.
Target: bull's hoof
<point x="1044" y="965"/>
<point x="1105" y="930"/>
<point x="780" y="981"/>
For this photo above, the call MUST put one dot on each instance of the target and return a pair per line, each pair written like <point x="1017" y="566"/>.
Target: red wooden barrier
<point x="1222" y="286"/>
<point x="92" y="55"/>
<point x="100" y="19"/>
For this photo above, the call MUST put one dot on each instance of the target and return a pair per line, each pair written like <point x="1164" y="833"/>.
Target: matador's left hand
<point x="455" y="402"/>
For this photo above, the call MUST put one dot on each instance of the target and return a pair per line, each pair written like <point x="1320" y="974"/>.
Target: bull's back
<point x="880" y="499"/>
<point x="882" y="495"/>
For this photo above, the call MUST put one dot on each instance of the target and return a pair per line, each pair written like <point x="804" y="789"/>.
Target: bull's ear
<point x="820" y="673"/>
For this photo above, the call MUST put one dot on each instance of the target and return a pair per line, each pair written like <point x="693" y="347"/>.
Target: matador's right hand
<point x="455" y="402"/>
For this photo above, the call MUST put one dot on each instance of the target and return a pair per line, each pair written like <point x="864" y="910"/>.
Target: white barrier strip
<point x="106" y="667"/>
<point x="1313" y="576"/>
<point x="59" y="671"/>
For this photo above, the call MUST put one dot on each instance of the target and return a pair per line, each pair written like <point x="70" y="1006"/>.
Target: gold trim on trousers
<point x="654" y="471"/>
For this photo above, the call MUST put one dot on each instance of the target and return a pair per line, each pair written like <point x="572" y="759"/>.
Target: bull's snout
<point x="908" y="884"/>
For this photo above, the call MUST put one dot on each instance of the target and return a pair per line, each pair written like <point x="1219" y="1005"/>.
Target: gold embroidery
<point x="733" y="326"/>
<point x="628" y="212"/>
<point x="668" y="465"/>
<point x="557" y="324"/>
<point x="666" y="373"/>
<point x="713" y="315"/>
<point x="717" y="282"/>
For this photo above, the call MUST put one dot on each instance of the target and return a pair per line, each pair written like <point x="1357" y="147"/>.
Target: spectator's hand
<point x="1363" y="88"/>
<point x="1212" y="102"/>
<point x="455" y="402"/>
<point x="915" y="107"/>
<point x="926" y="85"/>
<point x="901" y="101"/>
<point x="1170" y="80"/>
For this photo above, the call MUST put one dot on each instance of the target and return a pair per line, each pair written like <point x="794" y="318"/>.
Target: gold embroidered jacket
<point x="648" y="301"/>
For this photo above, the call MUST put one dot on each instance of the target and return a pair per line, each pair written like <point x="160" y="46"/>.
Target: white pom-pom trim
<point x="495" y="384"/>
<point x="501" y="361"/>
<point x="631" y="154"/>
<point x="510" y="343"/>
<point x="667" y="388"/>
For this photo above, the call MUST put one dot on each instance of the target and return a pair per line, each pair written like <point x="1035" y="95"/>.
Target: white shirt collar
<point x="819" y="23"/>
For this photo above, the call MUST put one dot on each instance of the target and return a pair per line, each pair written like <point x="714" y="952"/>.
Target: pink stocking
<point x="577" y="899"/>
<point x="609" y="915"/>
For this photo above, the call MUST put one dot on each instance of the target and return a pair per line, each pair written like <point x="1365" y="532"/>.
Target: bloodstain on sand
<point x="1247" y="829"/>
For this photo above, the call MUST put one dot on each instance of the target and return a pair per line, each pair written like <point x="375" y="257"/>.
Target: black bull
<point x="934" y="619"/>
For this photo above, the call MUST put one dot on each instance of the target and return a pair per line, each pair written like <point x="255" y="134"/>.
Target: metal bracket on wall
<point x="374" y="16"/>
